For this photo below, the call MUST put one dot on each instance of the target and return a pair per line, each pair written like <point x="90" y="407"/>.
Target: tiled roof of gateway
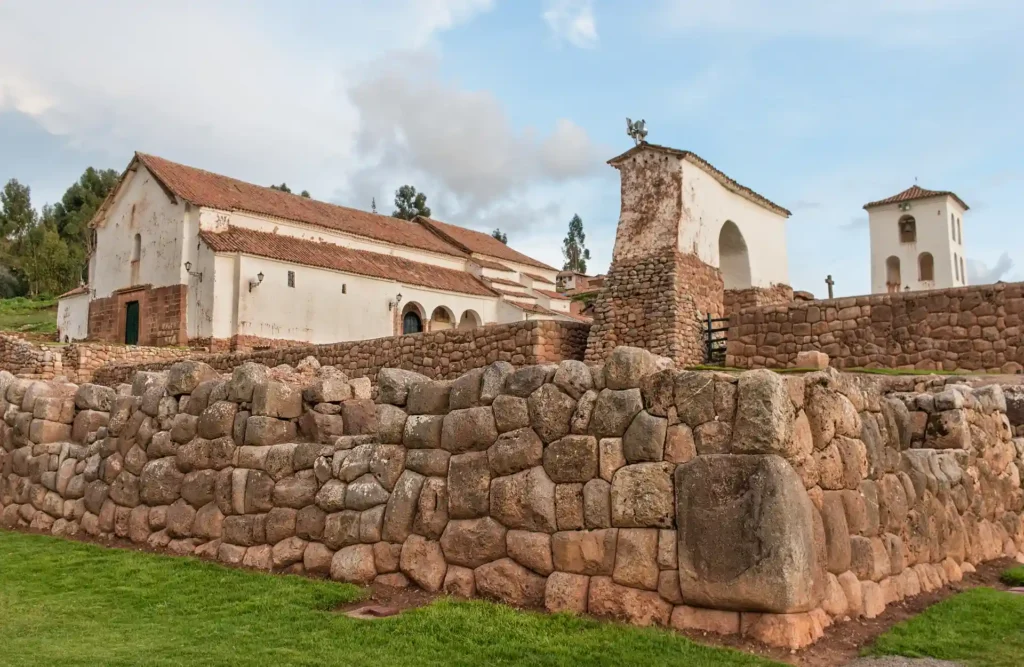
<point x="203" y="188"/>
<point x="330" y="256"/>
<point x="719" y="176"/>
<point x="915" y="192"/>
<point x="478" y="242"/>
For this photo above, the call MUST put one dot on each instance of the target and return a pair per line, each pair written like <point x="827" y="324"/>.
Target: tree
<point x="283" y="188"/>
<point x="46" y="262"/>
<point x="16" y="213"/>
<point x="575" y="253"/>
<point x="72" y="214"/>
<point x="500" y="235"/>
<point x="305" y="193"/>
<point x="409" y="203"/>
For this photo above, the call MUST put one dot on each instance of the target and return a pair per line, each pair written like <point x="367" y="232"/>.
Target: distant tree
<point x="409" y="203"/>
<point x="373" y="205"/>
<point x="16" y="213"/>
<point x="500" y="235"/>
<point x="46" y="261"/>
<point x="305" y="193"/>
<point x="72" y="214"/>
<point x="575" y="253"/>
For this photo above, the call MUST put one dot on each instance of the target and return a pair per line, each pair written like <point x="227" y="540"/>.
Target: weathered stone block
<point x="642" y="495"/>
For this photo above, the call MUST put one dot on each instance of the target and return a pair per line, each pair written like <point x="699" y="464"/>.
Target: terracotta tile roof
<point x="516" y="295"/>
<point x="541" y="279"/>
<point x="81" y="289"/>
<point x="494" y="266"/>
<point x="203" y="188"/>
<point x="718" y="175"/>
<point x="502" y="281"/>
<point x="913" y="193"/>
<point x="475" y="242"/>
<point x="541" y="310"/>
<point x="552" y="295"/>
<point x="331" y="256"/>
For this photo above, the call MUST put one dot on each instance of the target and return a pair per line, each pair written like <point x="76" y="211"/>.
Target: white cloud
<point x="979" y="273"/>
<point x="572" y="21"/>
<point x="223" y="85"/>
<point x="457" y="145"/>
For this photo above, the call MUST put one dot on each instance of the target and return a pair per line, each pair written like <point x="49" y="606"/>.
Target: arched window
<point x="952" y="226"/>
<point x="908" y="229"/>
<point x="925" y="267"/>
<point x="959" y="232"/>
<point x="956" y="267"/>
<point x="892" y="274"/>
<point x="137" y="248"/>
<point x="733" y="259"/>
<point x="469" y="320"/>
<point x="441" y="319"/>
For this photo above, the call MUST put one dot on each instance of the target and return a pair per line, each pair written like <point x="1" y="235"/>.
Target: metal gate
<point x="716" y="330"/>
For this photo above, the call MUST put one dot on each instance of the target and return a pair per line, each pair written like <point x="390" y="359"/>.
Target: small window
<point x="963" y="271"/>
<point x="956" y="267"/>
<point x="908" y="229"/>
<point x="344" y="288"/>
<point x="952" y="226"/>
<point x="291" y="279"/>
<point x="959" y="232"/>
<point x="137" y="248"/>
<point x="925" y="267"/>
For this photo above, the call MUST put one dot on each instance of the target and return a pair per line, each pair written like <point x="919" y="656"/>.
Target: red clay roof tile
<point x="915" y="192"/>
<point x="477" y="242"/>
<point x="331" y="256"/>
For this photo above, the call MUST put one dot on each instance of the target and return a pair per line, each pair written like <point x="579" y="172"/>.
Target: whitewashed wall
<point x="73" y="318"/>
<point x="707" y="205"/>
<point x="934" y="235"/>
<point x="142" y="208"/>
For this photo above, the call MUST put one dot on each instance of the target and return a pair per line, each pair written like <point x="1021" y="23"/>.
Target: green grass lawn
<point x="1014" y="576"/>
<point x="28" y="315"/>
<point x="981" y="627"/>
<point x="69" y="603"/>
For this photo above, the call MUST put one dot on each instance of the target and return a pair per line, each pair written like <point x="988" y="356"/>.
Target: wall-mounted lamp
<point x="394" y="302"/>
<point x="256" y="283"/>
<point x="194" y="274"/>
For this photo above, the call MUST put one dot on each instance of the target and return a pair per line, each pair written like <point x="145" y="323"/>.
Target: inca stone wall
<point x="78" y="361"/>
<point x="738" y="299"/>
<point x="755" y="504"/>
<point x="657" y="303"/>
<point x="964" y="328"/>
<point x="438" y="355"/>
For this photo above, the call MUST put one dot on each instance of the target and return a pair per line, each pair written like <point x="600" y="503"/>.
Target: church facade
<point x="183" y="256"/>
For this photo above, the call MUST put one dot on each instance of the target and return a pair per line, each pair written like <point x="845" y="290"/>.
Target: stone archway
<point x="442" y="318"/>
<point x="412" y="318"/>
<point x="469" y="320"/>
<point x="733" y="258"/>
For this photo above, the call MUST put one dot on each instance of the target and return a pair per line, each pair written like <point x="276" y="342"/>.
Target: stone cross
<point x="830" y="283"/>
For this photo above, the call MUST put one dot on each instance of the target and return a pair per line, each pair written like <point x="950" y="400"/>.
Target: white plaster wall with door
<point x="325" y="306"/>
<point x="937" y="225"/>
<point x="142" y="225"/>
<point x="708" y="206"/>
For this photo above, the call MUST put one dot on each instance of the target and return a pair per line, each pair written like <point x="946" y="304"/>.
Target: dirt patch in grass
<point x="843" y="641"/>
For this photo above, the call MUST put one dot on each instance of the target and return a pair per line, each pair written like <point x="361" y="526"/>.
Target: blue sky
<point x="505" y="112"/>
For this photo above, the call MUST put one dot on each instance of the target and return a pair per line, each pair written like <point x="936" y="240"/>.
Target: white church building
<point x="183" y="256"/>
<point x="917" y="241"/>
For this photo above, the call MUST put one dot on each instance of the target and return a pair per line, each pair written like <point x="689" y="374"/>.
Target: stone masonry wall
<point x="76" y="362"/>
<point x="161" y="315"/>
<point x="442" y="354"/>
<point x="655" y="303"/>
<point x="736" y="300"/>
<point x="755" y="504"/>
<point x="964" y="328"/>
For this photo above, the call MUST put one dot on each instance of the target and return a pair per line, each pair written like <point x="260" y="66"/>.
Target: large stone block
<point x="473" y="542"/>
<point x="626" y="366"/>
<point x="550" y="412"/>
<point x="185" y="376"/>
<point x="468" y="430"/>
<point x="764" y="415"/>
<point x="525" y="500"/>
<point x="573" y="458"/>
<point x="644" y="440"/>
<point x="423" y="431"/>
<point x="469" y="479"/>
<point x="589" y="552"/>
<point x="429" y="397"/>
<point x="508" y="581"/>
<point x="606" y="598"/>
<point x="641" y="496"/>
<point x="614" y="412"/>
<point x="401" y="507"/>
<point x="423" y="562"/>
<point x="515" y="450"/>
<point x="393" y="385"/>
<point x="746" y="535"/>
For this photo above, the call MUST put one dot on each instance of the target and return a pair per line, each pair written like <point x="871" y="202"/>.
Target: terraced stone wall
<point x="756" y="504"/>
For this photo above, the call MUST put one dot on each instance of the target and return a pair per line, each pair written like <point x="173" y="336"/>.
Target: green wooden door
<point x="131" y="323"/>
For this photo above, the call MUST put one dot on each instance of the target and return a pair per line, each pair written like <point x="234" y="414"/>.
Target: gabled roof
<point x="473" y="242"/>
<point x="339" y="258"/>
<point x="719" y="176"/>
<point x="552" y="295"/>
<point x="204" y="188"/>
<point x="913" y="193"/>
<point x="540" y="279"/>
<point x="494" y="266"/>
